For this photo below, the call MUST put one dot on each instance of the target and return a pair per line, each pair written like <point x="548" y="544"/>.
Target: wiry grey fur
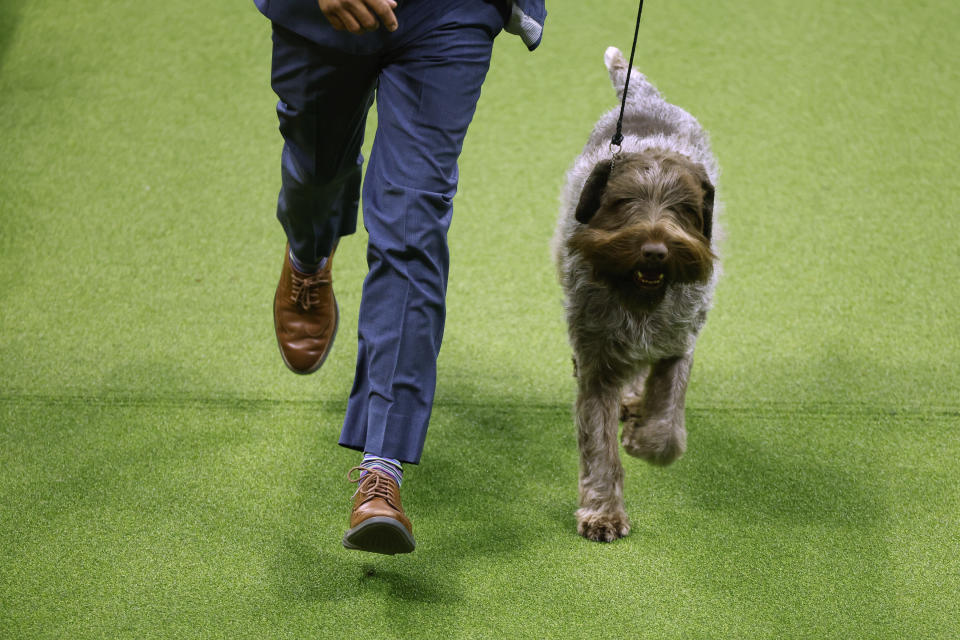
<point x="630" y="364"/>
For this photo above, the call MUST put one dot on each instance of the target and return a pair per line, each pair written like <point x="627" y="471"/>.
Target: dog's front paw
<point x="658" y="444"/>
<point x="602" y="527"/>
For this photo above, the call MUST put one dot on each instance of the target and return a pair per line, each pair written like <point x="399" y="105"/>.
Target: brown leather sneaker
<point x="305" y="315"/>
<point x="377" y="522"/>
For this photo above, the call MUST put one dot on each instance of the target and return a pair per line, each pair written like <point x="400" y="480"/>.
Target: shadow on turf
<point x="330" y="574"/>
<point x="500" y="475"/>
<point x="787" y="475"/>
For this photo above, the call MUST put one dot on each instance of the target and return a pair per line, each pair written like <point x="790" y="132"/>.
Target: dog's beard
<point x="640" y="283"/>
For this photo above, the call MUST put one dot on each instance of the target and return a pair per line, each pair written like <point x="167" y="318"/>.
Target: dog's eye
<point x="689" y="211"/>
<point x="619" y="203"/>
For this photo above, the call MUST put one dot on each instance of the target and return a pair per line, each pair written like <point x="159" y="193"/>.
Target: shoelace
<point x="306" y="290"/>
<point x="373" y="484"/>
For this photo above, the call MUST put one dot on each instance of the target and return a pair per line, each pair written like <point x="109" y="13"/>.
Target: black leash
<point x="618" y="136"/>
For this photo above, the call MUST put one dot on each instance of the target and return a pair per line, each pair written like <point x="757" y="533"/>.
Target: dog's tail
<point x="640" y="88"/>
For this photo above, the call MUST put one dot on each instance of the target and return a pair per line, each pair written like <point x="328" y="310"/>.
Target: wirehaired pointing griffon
<point x="636" y="256"/>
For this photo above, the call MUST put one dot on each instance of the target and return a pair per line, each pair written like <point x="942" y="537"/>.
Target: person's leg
<point x="324" y="98"/>
<point x="426" y="98"/>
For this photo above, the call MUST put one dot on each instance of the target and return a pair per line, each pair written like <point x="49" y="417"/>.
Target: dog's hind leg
<point x="601" y="516"/>
<point x="653" y="424"/>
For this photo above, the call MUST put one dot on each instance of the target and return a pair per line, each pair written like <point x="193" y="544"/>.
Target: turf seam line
<point x="763" y="408"/>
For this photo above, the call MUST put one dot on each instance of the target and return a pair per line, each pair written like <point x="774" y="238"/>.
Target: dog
<point x="635" y="250"/>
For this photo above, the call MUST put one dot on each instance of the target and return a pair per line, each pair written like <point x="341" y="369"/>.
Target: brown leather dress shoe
<point x="305" y="315"/>
<point x="377" y="522"/>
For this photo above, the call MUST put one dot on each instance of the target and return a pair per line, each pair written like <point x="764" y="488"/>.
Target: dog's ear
<point x="706" y="207"/>
<point x="708" y="193"/>
<point x="592" y="191"/>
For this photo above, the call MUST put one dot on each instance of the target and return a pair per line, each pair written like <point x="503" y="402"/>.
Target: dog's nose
<point x="654" y="251"/>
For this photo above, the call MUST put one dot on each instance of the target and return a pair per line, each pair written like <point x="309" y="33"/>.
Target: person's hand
<point x="360" y="16"/>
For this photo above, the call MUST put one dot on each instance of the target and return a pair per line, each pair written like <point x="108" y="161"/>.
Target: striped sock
<point x="389" y="466"/>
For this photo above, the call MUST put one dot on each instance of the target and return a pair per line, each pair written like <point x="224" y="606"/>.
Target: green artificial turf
<point x="163" y="475"/>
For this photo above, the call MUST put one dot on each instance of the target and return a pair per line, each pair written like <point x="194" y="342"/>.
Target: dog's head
<point x="646" y="222"/>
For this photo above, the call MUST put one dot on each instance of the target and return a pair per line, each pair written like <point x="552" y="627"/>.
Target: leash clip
<point x="615" y="147"/>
